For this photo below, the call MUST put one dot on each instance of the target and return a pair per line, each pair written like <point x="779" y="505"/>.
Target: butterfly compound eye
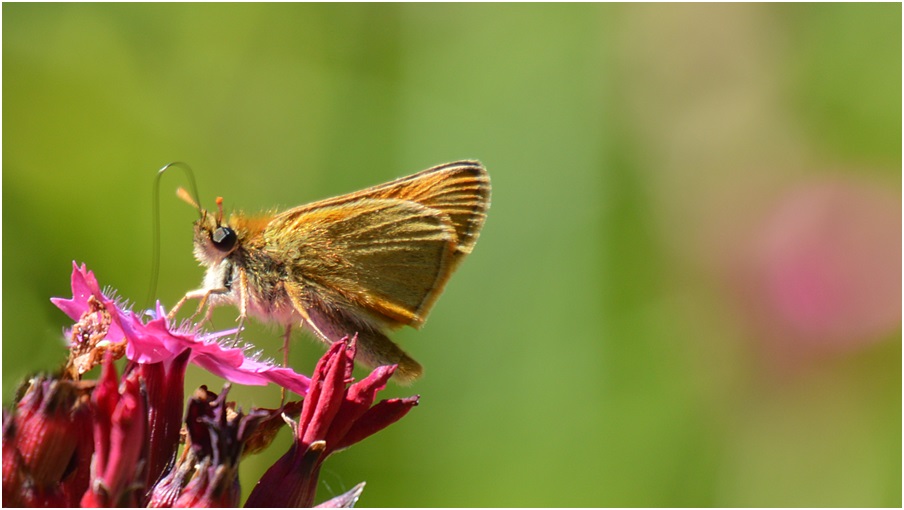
<point x="224" y="238"/>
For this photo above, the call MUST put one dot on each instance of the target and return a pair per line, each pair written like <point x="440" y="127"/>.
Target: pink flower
<point x="47" y="445"/>
<point x="114" y="442"/>
<point x="333" y="417"/>
<point x="207" y="473"/>
<point x="164" y="384"/>
<point x="154" y="341"/>
<point x="821" y="272"/>
<point x="120" y="426"/>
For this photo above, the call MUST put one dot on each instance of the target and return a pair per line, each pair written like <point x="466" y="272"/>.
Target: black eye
<point x="224" y="238"/>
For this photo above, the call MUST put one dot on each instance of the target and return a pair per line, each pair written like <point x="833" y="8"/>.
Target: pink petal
<point x="377" y="418"/>
<point x="358" y="399"/>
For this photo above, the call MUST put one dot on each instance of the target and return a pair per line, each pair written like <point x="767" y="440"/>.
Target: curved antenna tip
<point x="190" y="198"/>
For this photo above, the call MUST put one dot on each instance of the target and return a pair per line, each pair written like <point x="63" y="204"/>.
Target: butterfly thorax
<point x="264" y="271"/>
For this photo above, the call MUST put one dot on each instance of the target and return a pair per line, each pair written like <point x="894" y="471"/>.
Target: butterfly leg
<point x="285" y="349"/>
<point x="201" y="294"/>
<point x="243" y="304"/>
<point x="194" y="294"/>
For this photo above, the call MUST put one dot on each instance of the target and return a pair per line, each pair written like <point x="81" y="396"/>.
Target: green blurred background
<point x="688" y="289"/>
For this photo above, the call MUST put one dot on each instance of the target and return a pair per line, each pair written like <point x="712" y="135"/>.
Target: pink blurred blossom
<point x="823" y="266"/>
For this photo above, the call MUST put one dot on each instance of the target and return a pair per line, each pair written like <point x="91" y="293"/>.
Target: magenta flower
<point x="333" y="417"/>
<point x="48" y="432"/>
<point x="119" y="429"/>
<point x="130" y="441"/>
<point x="153" y="341"/>
<point x="164" y="384"/>
<point x="207" y="473"/>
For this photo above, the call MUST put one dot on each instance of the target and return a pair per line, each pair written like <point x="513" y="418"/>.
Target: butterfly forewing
<point x="383" y="255"/>
<point x="391" y="248"/>
<point x="459" y="190"/>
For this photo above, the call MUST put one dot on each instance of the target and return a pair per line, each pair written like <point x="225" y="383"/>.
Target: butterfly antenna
<point x="192" y="199"/>
<point x="219" y="210"/>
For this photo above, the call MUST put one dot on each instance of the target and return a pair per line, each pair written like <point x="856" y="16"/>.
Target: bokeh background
<point x="688" y="289"/>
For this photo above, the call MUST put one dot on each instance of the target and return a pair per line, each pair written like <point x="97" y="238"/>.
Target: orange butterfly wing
<point x="391" y="248"/>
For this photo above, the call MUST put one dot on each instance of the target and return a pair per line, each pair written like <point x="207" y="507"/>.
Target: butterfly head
<point x="214" y="239"/>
